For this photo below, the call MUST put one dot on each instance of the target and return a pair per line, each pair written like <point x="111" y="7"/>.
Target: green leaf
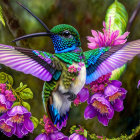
<point x="26" y="105"/>
<point x="26" y="94"/>
<point x="6" y="78"/>
<point x="35" y="121"/>
<point x="16" y="104"/>
<point x="85" y="133"/>
<point x="116" y="74"/>
<point x="119" y="20"/>
<point x="21" y="87"/>
<point x="1" y="16"/>
<point x="118" y="15"/>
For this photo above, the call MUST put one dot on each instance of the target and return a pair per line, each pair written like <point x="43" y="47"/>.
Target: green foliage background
<point x="84" y="15"/>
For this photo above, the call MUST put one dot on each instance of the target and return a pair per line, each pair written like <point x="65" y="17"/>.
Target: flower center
<point x="115" y="96"/>
<point x="17" y="119"/>
<point x="49" y="129"/>
<point x="101" y="107"/>
<point x="3" y="108"/>
<point x="77" y="101"/>
<point x="5" y="127"/>
<point x="48" y="125"/>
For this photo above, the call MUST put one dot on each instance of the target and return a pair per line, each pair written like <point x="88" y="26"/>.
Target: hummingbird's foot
<point x="71" y="95"/>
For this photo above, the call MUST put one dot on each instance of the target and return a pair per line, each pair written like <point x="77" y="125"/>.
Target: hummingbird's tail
<point x="55" y="104"/>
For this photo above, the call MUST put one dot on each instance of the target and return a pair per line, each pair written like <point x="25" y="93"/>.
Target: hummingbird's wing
<point x="104" y="60"/>
<point x="37" y="63"/>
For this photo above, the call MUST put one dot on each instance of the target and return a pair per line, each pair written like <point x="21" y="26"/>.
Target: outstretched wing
<point x="104" y="60"/>
<point x="37" y="63"/>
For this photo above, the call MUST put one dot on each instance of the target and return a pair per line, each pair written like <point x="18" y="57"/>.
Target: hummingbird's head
<point x="64" y="37"/>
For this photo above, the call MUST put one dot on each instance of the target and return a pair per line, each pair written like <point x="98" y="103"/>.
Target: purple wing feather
<point x="114" y="60"/>
<point x="27" y="62"/>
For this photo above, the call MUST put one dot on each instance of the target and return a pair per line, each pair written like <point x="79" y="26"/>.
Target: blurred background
<point x="84" y="15"/>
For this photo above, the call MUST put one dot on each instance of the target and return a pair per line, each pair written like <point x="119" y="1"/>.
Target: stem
<point x="14" y="92"/>
<point x="134" y="14"/>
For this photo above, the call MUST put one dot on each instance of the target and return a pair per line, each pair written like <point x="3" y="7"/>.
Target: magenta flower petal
<point x="91" y="39"/>
<point x="116" y="83"/>
<point x="100" y="107"/>
<point x="123" y="91"/>
<point x="92" y="45"/>
<point x="42" y="137"/>
<point x="118" y="42"/>
<point x="7" y="129"/>
<point x="20" y="117"/>
<point x="138" y="84"/>
<point x="118" y="105"/>
<point x="24" y="130"/>
<point x="114" y="35"/>
<point x="58" y="136"/>
<point x="18" y="132"/>
<point x="115" y="94"/>
<point x="18" y="110"/>
<point x="94" y="33"/>
<point x="107" y="38"/>
<point x="123" y="36"/>
<point x="83" y="95"/>
<point x="110" y="113"/>
<point x="110" y="90"/>
<point x="53" y="136"/>
<point x="90" y="112"/>
<point x="76" y="136"/>
<point x="103" y="119"/>
<point x="29" y="125"/>
<point x="4" y="104"/>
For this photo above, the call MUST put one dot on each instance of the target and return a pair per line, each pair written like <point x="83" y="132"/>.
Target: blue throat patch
<point x="62" y="45"/>
<point x="66" y="50"/>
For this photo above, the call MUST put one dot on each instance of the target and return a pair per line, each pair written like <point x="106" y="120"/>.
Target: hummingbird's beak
<point x="33" y="35"/>
<point x="47" y="33"/>
<point x="41" y="22"/>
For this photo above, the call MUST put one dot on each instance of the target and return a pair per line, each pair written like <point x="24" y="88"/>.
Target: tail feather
<point x="57" y="119"/>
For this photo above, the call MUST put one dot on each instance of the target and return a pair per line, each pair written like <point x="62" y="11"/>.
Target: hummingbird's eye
<point x="66" y="34"/>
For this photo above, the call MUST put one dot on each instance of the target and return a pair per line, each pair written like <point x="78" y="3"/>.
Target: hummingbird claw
<point x="71" y="95"/>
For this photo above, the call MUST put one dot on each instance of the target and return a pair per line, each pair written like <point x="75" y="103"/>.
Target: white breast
<point x="80" y="80"/>
<point x="59" y="100"/>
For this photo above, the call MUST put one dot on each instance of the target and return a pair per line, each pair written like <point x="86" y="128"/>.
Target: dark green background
<point x="84" y="15"/>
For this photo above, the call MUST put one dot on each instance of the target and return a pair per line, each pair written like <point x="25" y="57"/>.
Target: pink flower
<point x="78" y="135"/>
<point x="100" y="107"/>
<point x="82" y="96"/>
<point x="107" y="38"/>
<point x="81" y="64"/>
<point x="4" y="104"/>
<point x="72" y="69"/>
<point x="99" y="85"/>
<point x="138" y="84"/>
<point x="17" y="120"/>
<point x="9" y="95"/>
<point x="50" y="131"/>
<point x="2" y="88"/>
<point x="115" y="94"/>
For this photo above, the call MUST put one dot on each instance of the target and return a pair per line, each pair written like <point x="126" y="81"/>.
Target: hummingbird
<point x="67" y="70"/>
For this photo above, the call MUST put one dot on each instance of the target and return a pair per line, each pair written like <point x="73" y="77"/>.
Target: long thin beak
<point x="33" y="35"/>
<point x="48" y="33"/>
<point x="41" y="22"/>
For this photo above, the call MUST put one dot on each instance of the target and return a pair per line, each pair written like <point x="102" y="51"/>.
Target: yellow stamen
<point x="3" y="109"/>
<point x="115" y="96"/>
<point x="5" y="127"/>
<point x="17" y="118"/>
<point x="101" y="107"/>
